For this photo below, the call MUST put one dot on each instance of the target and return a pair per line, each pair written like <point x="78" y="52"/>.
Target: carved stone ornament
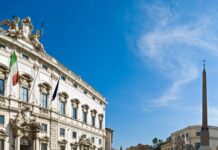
<point x="3" y="133"/>
<point x="26" y="113"/>
<point x="85" y="141"/>
<point x="13" y="29"/>
<point x="63" y="141"/>
<point x="101" y="116"/>
<point x="74" y="144"/>
<point x="93" y="112"/>
<point x="22" y="124"/>
<point x="179" y="143"/>
<point x="44" y="138"/>
<point x="24" y="31"/>
<point x="26" y="27"/>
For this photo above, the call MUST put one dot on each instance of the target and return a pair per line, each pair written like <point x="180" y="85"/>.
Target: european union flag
<point x="55" y="91"/>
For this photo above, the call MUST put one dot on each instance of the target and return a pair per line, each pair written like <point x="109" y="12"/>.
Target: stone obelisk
<point x="204" y="129"/>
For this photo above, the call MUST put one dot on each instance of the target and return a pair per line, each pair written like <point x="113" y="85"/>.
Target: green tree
<point x="157" y="143"/>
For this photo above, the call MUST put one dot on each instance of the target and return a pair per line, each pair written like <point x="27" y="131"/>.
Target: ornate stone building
<point x="190" y="137"/>
<point x="140" y="147"/>
<point x="28" y="119"/>
<point x="109" y="139"/>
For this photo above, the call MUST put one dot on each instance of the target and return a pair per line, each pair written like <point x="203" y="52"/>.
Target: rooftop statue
<point x="13" y="29"/>
<point x="26" y="27"/>
<point x="24" y="31"/>
<point x="34" y="39"/>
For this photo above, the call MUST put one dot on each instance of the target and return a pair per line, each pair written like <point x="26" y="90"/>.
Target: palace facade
<point x="191" y="136"/>
<point x="29" y="120"/>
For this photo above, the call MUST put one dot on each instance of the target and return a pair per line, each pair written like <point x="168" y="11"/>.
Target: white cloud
<point x="172" y="46"/>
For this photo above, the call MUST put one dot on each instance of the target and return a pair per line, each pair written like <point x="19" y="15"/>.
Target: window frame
<point x="74" y="112"/>
<point x="85" y="117"/>
<point x="62" y="107"/>
<point x="99" y="141"/>
<point x="74" y="135"/>
<point x="3" y="87"/>
<point x="93" y="120"/>
<point x="44" y="102"/>
<point x="60" y="132"/>
<point x="23" y="88"/>
<point x="2" y="123"/>
<point x="44" y="125"/>
<point x="24" y="56"/>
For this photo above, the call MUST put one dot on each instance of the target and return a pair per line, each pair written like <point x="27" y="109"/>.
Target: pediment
<point x="3" y="132"/>
<point x="44" y="138"/>
<point x="63" y="141"/>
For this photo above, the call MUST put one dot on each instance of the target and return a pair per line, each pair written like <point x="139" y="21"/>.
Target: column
<point x="35" y="142"/>
<point x="17" y="143"/>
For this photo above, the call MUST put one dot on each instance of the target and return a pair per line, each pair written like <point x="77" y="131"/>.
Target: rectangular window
<point x="25" y="56"/>
<point x="44" y="100"/>
<point x="2" y="144"/>
<point x="44" y="146"/>
<point x="62" y="132"/>
<point x="63" y="78"/>
<point x="74" y="113"/>
<point x="74" y="135"/>
<point x="84" y="117"/>
<point x="2" y="46"/>
<point x="2" y="120"/>
<point x="93" y="121"/>
<point x="62" y="108"/>
<point x="85" y="92"/>
<point x="100" y="124"/>
<point x="75" y="85"/>
<point x="44" y="67"/>
<point x="93" y="139"/>
<point x="44" y="128"/>
<point x="24" y="93"/>
<point x="2" y="87"/>
<point x="198" y="133"/>
<point x="99" y="141"/>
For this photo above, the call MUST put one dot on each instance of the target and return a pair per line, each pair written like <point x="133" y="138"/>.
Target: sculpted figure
<point x="13" y="29"/>
<point x="34" y="38"/>
<point x="26" y="113"/>
<point x="26" y="27"/>
<point x="17" y="122"/>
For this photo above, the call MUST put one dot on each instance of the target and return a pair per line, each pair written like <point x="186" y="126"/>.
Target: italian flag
<point x="14" y="69"/>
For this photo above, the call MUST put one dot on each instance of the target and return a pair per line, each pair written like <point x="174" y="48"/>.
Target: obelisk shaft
<point x="204" y="129"/>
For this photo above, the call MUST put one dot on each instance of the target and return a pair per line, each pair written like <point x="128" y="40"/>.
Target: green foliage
<point x="157" y="143"/>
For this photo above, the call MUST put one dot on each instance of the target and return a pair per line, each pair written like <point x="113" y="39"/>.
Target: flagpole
<point x="33" y="87"/>
<point x="50" y="105"/>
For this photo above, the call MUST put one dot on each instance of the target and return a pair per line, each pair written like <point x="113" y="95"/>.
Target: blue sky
<point x="145" y="57"/>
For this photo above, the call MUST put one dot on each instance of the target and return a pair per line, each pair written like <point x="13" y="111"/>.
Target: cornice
<point x="54" y="63"/>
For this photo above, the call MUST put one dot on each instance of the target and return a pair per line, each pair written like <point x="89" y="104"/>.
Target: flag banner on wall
<point x="14" y="69"/>
<point x="55" y="91"/>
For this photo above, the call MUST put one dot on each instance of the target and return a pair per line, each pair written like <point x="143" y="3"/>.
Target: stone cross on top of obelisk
<point x="204" y="128"/>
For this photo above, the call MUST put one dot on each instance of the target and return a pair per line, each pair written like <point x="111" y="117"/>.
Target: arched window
<point x="63" y="96"/>
<point x="3" y="77"/>
<point x="25" y="85"/>
<point x="45" y="91"/>
<point x="93" y="116"/>
<point x="85" y="109"/>
<point x="75" y="106"/>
